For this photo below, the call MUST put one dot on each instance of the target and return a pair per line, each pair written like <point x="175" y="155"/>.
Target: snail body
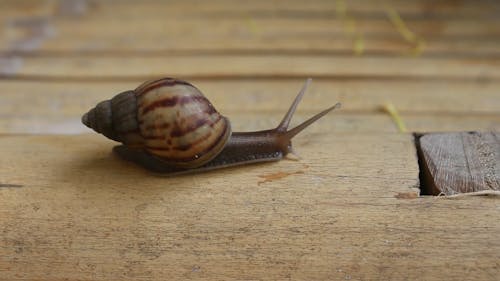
<point x="169" y="126"/>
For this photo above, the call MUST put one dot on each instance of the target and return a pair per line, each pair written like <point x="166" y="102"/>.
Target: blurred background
<point x="395" y="65"/>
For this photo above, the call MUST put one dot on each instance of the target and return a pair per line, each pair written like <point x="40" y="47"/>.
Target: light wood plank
<point x="71" y="124"/>
<point x="140" y="26"/>
<point x="142" y="34"/>
<point x="338" y="122"/>
<point x="47" y="107"/>
<point x="424" y="123"/>
<point x="219" y="66"/>
<point x="226" y="8"/>
<point x="330" y="44"/>
<point x="268" y="95"/>
<point x="81" y="213"/>
<point x="293" y="43"/>
<point x="172" y="30"/>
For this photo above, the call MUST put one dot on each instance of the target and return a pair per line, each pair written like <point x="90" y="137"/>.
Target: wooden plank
<point x="57" y="122"/>
<point x="97" y="32"/>
<point x="267" y="95"/>
<point x="71" y="124"/>
<point x="327" y="44"/>
<point x="161" y="34"/>
<point x="356" y="8"/>
<point x="424" y="123"/>
<point x="226" y="8"/>
<point x="331" y="44"/>
<point x="272" y="66"/>
<point x="461" y="162"/>
<point x="47" y="107"/>
<point x="140" y="26"/>
<point x="80" y="213"/>
<point x="340" y="122"/>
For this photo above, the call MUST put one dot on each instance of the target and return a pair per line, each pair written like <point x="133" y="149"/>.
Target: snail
<point x="168" y="126"/>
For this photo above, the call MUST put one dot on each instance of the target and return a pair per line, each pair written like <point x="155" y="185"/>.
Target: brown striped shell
<point x="169" y="118"/>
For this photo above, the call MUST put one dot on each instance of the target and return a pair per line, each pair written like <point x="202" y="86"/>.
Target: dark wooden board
<point x="461" y="162"/>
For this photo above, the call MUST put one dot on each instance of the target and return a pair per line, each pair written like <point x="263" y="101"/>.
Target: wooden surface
<point x="348" y="209"/>
<point x="461" y="162"/>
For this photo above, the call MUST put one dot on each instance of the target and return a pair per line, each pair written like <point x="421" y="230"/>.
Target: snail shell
<point x="169" y="118"/>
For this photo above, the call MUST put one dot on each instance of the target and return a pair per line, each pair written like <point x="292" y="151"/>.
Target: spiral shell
<point x="169" y="118"/>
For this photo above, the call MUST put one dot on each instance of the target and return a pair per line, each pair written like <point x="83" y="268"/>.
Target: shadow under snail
<point x="169" y="127"/>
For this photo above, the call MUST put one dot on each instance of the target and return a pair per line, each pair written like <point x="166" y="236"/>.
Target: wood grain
<point x="461" y="162"/>
<point x="84" y="26"/>
<point x="268" y="95"/>
<point x="205" y="227"/>
<point x="96" y="27"/>
<point x="423" y="8"/>
<point x="81" y="213"/>
<point x="348" y="209"/>
<point x="234" y="66"/>
<point x="38" y="107"/>
<point x="340" y="122"/>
